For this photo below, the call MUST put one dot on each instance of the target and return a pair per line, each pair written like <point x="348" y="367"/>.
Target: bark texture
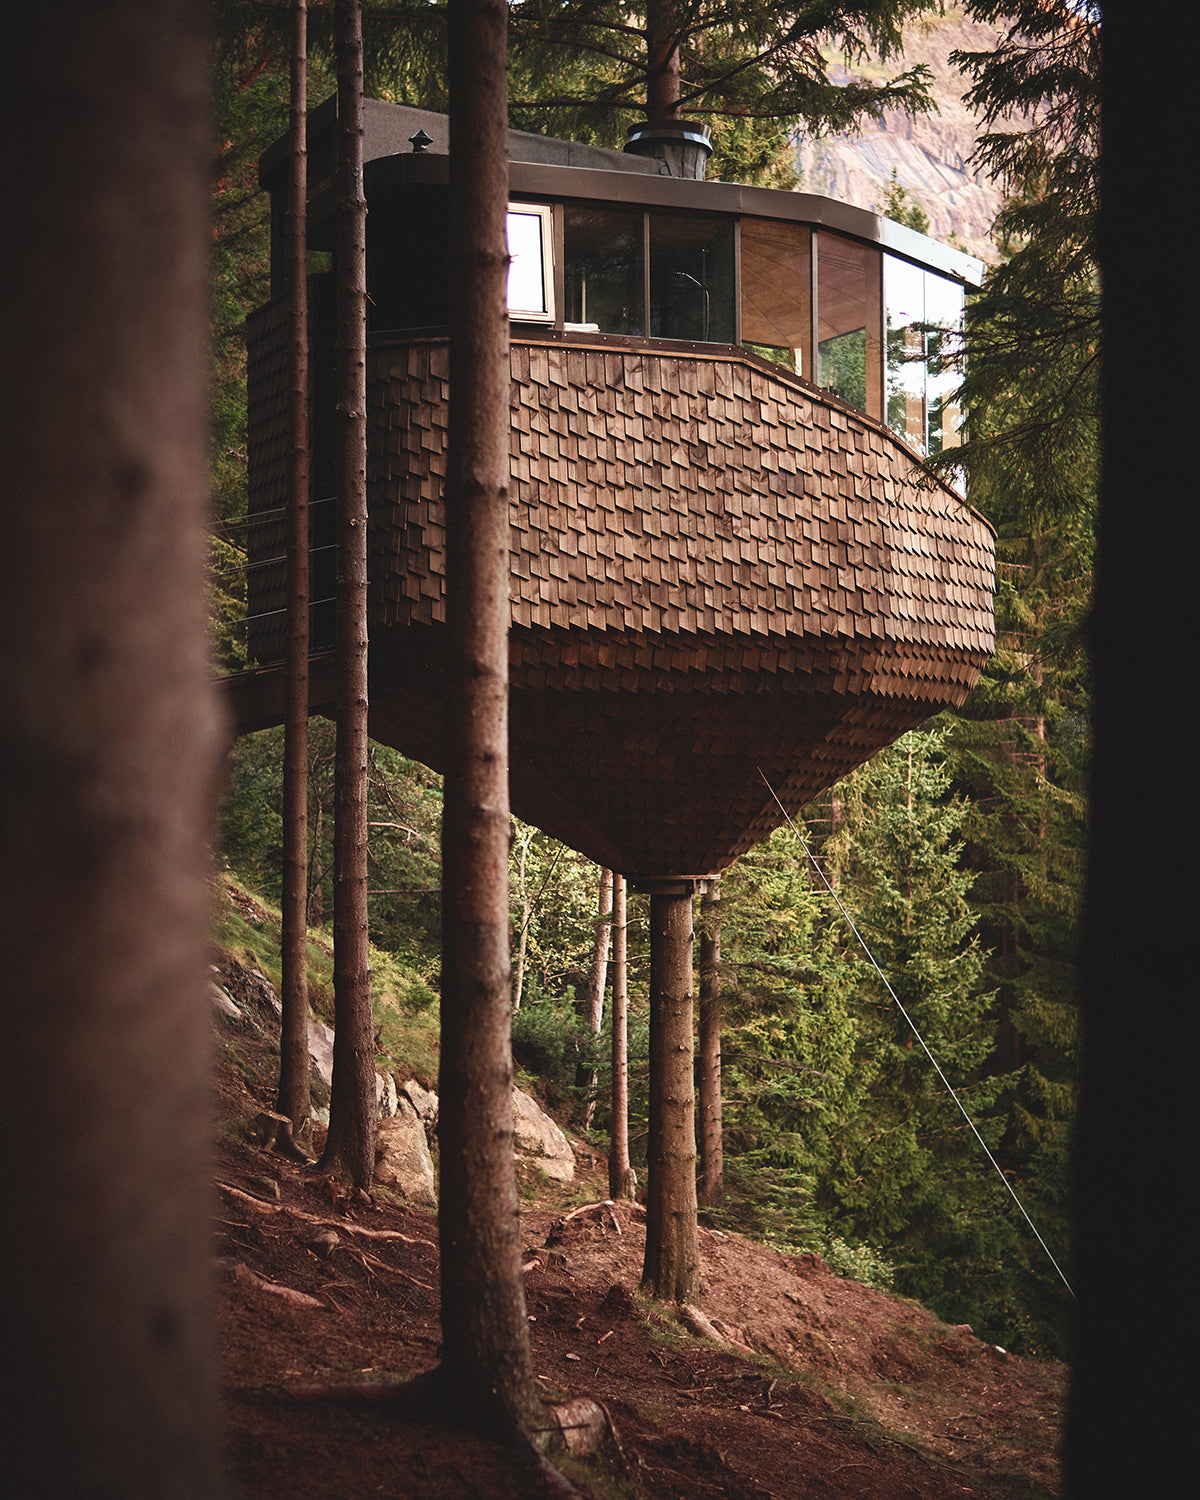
<point x="711" y="1182"/>
<point x="662" y="57"/>
<point x="109" y="747"/>
<point x="620" y="1173"/>
<point x="671" y="1270"/>
<point x="350" y="1145"/>
<point x="295" y="1097"/>
<point x="486" y="1366"/>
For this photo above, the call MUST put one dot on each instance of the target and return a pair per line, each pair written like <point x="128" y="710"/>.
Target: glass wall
<point x="924" y="324"/>
<point x="691" y="273"/>
<point x="691" y="278"/>
<point x="777" y="293"/>
<point x="849" y="321"/>
<point x="886" y="332"/>
<point x="604" y="269"/>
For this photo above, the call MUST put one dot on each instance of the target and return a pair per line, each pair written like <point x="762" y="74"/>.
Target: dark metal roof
<point x="543" y="167"/>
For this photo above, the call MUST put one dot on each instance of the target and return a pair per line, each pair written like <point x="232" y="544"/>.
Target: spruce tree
<point x="754" y="71"/>
<point x="908" y="1174"/>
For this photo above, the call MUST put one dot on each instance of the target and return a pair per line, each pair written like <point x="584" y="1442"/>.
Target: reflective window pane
<point x="604" y="279"/>
<point x="924" y="323"/>
<point x="777" y="292"/>
<point x="904" y="292"/>
<point x="944" y="301"/>
<point x="849" y="321"/>
<point x="691" y="278"/>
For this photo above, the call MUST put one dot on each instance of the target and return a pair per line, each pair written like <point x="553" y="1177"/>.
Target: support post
<point x="671" y="1270"/>
<point x="712" y="1169"/>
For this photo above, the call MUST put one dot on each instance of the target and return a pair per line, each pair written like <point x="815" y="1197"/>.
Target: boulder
<point x="423" y="1100"/>
<point x="320" y="1049"/>
<point x="385" y="1095"/>
<point x="538" y="1140"/>
<point x="222" y="1003"/>
<point x="402" y="1160"/>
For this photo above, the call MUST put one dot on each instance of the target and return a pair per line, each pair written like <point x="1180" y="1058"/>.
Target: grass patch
<point x="403" y="999"/>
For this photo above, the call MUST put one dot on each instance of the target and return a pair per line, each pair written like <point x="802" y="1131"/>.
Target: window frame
<point x="544" y="214"/>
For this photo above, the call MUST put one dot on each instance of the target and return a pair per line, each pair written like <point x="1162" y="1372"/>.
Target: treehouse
<point x="730" y="576"/>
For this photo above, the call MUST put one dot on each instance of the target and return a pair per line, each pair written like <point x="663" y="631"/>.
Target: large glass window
<point x="777" y="293"/>
<point x="849" y="321"/>
<point x="924" y="323"/>
<point x="604" y="270"/>
<point x="691" y="278"/>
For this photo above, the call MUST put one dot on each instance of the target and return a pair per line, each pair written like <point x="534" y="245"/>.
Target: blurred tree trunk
<point x="620" y="1173"/>
<point x="711" y="1183"/>
<point x="1129" y="1428"/>
<point x="593" y="1013"/>
<point x="294" y="1067"/>
<point x="109" y="752"/>
<point x="671" y="1270"/>
<point x="486" y="1369"/>
<point x="350" y="1145"/>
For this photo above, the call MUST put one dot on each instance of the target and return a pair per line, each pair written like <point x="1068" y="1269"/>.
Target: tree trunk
<point x="526" y="908"/>
<point x="486" y="1367"/>
<point x="1129" y="1428"/>
<point x="672" y="1265"/>
<point x="593" y="1014"/>
<point x="712" y="1181"/>
<point x="620" y="1173"/>
<point x="109" y="752"/>
<point x="350" y="1146"/>
<point x="295" y="1072"/>
<point x="662" y="57"/>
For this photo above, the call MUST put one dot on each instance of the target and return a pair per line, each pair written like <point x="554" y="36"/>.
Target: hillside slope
<point x="835" y="1390"/>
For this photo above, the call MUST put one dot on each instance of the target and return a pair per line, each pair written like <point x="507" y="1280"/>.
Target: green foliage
<point x="755" y="69"/>
<point x="552" y="895"/>
<point x="404" y="814"/>
<point x="900" y="206"/>
<point x="1033" y="334"/>
<point x="840" y="1136"/>
<point x="859" y="1263"/>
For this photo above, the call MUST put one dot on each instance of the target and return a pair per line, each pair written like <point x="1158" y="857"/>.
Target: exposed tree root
<point x="605" y="1205"/>
<point x="694" y="1319"/>
<point x="241" y="1272"/>
<point x="578" y="1428"/>
<point x="273" y="1132"/>
<point x="346" y="1226"/>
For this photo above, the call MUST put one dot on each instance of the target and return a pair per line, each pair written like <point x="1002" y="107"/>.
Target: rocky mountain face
<point x="931" y="156"/>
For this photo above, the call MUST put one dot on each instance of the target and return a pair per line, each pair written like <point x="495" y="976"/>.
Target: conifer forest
<point x="958" y="854"/>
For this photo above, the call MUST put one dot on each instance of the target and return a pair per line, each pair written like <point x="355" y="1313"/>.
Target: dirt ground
<point x="841" y="1391"/>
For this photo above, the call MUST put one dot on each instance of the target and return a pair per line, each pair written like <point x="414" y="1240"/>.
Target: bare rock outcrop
<point x="931" y="156"/>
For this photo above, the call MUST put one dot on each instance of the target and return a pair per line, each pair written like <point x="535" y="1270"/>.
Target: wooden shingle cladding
<point x="718" y="575"/>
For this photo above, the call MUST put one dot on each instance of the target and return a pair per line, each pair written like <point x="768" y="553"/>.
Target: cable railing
<point x="245" y="634"/>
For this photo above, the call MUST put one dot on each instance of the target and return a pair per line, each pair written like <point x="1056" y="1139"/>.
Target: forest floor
<point x="838" y="1391"/>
